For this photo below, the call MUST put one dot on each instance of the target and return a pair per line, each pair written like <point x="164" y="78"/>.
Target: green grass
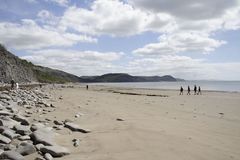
<point x="45" y="77"/>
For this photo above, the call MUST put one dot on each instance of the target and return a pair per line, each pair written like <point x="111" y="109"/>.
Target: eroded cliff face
<point x="12" y="67"/>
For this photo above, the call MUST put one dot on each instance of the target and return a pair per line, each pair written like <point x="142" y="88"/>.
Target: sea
<point x="228" y="86"/>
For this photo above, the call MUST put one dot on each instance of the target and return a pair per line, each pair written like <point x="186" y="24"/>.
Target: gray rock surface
<point x="75" y="127"/>
<point x="4" y="139"/>
<point x="11" y="155"/>
<point x="5" y="113"/>
<point x="25" y="148"/>
<point x="48" y="156"/>
<point x="43" y="136"/>
<point x="9" y="133"/>
<point x="21" y="119"/>
<point x="55" y="151"/>
<point x="23" y="130"/>
<point x="24" y="138"/>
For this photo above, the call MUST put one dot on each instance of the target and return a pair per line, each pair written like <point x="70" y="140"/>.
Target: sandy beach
<point x="151" y="125"/>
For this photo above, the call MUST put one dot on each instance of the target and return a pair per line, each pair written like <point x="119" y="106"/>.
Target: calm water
<point x="232" y="86"/>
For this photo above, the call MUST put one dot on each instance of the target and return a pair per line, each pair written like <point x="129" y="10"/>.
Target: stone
<point x="77" y="116"/>
<point x="4" y="139"/>
<point x="8" y="122"/>
<point x="75" y="128"/>
<point x="21" y="119"/>
<point x="5" y="113"/>
<point x="43" y="136"/>
<point x="48" y="156"/>
<point x="11" y="155"/>
<point x="76" y="142"/>
<point x="24" y="138"/>
<point x="1" y="151"/>
<point x="57" y="122"/>
<point x="23" y="130"/>
<point x="39" y="146"/>
<point x="9" y="133"/>
<point x="55" y="151"/>
<point x="9" y="147"/>
<point x="4" y="96"/>
<point x="25" y="148"/>
<point x="37" y="126"/>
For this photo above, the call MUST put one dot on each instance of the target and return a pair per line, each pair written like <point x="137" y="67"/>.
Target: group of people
<point x="197" y="91"/>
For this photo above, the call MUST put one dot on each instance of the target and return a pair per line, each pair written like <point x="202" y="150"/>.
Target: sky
<point x="189" y="39"/>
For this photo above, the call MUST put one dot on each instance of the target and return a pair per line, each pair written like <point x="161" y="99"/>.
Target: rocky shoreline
<point x="22" y="134"/>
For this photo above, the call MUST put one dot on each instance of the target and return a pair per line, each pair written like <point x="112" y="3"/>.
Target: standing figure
<point x="195" y="89"/>
<point x="17" y="86"/>
<point x="199" y="90"/>
<point x="189" y="90"/>
<point x="86" y="87"/>
<point x="181" y="91"/>
<point x="12" y="84"/>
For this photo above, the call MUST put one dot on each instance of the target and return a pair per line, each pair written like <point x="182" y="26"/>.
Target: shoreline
<point x="159" y="89"/>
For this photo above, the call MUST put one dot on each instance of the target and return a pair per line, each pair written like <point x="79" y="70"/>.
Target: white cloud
<point x="180" y="42"/>
<point x="187" y="9"/>
<point x="115" y="18"/>
<point x="76" y="62"/>
<point x="29" y="35"/>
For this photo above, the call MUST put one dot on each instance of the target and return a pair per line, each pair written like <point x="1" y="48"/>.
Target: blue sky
<point x="187" y="39"/>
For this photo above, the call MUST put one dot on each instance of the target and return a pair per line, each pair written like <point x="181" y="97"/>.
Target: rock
<point x="43" y="136"/>
<point x="75" y="128"/>
<point x="5" y="113"/>
<point x="48" y="156"/>
<point x="52" y="106"/>
<point x="9" y="147"/>
<point x="8" y="122"/>
<point x="1" y="151"/>
<point x="4" y="139"/>
<point x="119" y="119"/>
<point x="21" y="119"/>
<point x="24" y="138"/>
<point x="76" y="142"/>
<point x="11" y="155"/>
<point x="37" y="126"/>
<point x="23" y="130"/>
<point x="4" y="96"/>
<point x="57" y="122"/>
<point x="55" y="151"/>
<point x="9" y="133"/>
<point x="77" y="116"/>
<point x="68" y="120"/>
<point x="25" y="148"/>
<point x="39" y="146"/>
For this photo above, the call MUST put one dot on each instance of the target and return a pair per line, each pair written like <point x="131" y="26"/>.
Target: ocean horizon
<point x="228" y="86"/>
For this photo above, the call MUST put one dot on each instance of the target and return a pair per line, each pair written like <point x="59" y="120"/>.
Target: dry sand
<point x="195" y="127"/>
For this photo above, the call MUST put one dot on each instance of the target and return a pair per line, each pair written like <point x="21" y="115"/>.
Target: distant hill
<point x="123" y="77"/>
<point x="12" y="67"/>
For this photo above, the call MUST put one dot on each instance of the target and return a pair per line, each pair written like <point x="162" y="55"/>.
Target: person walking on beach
<point x="195" y="89"/>
<point x="189" y="90"/>
<point x="86" y="87"/>
<point x="181" y="91"/>
<point x="199" y="91"/>
<point x="12" y="84"/>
